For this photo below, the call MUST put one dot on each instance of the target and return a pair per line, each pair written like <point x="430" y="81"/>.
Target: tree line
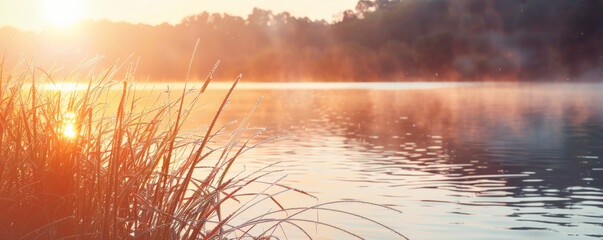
<point x="379" y="40"/>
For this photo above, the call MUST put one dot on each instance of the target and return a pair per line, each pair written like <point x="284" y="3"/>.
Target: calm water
<point x="461" y="161"/>
<point x="485" y="161"/>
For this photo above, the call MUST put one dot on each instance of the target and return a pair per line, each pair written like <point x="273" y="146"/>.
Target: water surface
<point x="461" y="161"/>
<point x="485" y="161"/>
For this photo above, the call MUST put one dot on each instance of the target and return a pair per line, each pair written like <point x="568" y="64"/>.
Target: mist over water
<point x="460" y="160"/>
<point x="442" y="119"/>
<point x="486" y="161"/>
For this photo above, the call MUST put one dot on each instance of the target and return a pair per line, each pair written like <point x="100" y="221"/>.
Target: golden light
<point x="62" y="13"/>
<point x="64" y="86"/>
<point x="69" y="131"/>
<point x="69" y="125"/>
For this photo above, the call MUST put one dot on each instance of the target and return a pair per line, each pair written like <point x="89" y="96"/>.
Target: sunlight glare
<point x="63" y="86"/>
<point x="68" y="125"/>
<point x="62" y="13"/>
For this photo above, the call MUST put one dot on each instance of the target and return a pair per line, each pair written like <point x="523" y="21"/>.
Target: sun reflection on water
<point x="68" y="128"/>
<point x="64" y="86"/>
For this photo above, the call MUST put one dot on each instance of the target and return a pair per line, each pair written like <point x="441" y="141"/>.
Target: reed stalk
<point x="74" y="166"/>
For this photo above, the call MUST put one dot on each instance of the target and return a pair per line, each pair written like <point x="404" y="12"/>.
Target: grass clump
<point x="75" y="166"/>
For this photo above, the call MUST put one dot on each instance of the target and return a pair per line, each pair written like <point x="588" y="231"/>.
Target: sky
<point x="35" y="14"/>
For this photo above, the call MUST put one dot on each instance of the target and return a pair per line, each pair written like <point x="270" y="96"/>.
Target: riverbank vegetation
<point x="106" y="161"/>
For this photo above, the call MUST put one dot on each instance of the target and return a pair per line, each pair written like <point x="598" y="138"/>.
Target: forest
<point x="379" y="40"/>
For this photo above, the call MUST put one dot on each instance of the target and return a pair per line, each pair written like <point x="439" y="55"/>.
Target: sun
<point x="62" y="13"/>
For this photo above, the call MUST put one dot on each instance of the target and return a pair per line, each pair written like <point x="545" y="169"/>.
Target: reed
<point x="75" y="166"/>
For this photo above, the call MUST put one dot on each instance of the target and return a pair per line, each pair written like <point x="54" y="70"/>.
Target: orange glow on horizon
<point x="64" y="86"/>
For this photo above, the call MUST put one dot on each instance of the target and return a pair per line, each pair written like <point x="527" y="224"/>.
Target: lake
<point x="460" y="160"/>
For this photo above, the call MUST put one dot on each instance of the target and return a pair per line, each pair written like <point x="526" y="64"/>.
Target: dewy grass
<point x="75" y="166"/>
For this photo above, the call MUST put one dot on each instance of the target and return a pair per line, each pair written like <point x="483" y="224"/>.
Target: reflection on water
<point x="462" y="161"/>
<point x="466" y="162"/>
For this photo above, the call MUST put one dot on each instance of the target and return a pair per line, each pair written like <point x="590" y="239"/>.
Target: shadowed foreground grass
<point x="74" y="167"/>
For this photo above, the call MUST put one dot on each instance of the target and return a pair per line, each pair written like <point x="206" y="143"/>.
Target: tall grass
<point x="74" y="166"/>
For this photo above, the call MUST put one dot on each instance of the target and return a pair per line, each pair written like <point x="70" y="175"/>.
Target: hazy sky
<point x="33" y="14"/>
